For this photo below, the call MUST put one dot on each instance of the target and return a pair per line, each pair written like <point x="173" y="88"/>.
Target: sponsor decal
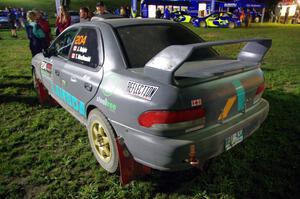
<point x="109" y="85"/>
<point x="107" y="103"/>
<point x="46" y="66"/>
<point x="248" y="5"/>
<point x="240" y="98"/>
<point x="223" y="115"/>
<point x="80" y="40"/>
<point x="69" y="99"/>
<point x="222" y="22"/>
<point x="230" y="5"/>
<point x="81" y="57"/>
<point x="196" y="102"/>
<point x="80" y="49"/>
<point x="46" y="69"/>
<point x="241" y="95"/>
<point x="141" y="90"/>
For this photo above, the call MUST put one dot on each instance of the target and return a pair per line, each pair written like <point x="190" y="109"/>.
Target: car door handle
<point x="88" y="87"/>
<point x="57" y="73"/>
<point x="73" y="79"/>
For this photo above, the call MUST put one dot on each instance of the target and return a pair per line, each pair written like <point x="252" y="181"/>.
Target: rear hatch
<point x="214" y="89"/>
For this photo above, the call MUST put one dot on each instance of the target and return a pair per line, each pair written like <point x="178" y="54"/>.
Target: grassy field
<point x="44" y="151"/>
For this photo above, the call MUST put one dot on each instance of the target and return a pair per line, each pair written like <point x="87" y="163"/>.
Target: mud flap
<point x="129" y="168"/>
<point x="43" y="95"/>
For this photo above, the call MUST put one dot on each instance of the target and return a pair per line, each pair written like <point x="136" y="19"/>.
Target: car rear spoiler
<point x="163" y="66"/>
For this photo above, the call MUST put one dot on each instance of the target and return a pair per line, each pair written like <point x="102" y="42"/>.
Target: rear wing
<point x="163" y="66"/>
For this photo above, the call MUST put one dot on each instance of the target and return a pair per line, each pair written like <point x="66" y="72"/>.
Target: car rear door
<point x="82" y="74"/>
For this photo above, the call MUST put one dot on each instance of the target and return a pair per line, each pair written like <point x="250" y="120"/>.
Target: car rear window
<point x="142" y="42"/>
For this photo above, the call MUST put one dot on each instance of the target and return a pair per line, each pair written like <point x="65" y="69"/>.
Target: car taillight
<point x="160" y="117"/>
<point x="260" y="89"/>
<point x="259" y="92"/>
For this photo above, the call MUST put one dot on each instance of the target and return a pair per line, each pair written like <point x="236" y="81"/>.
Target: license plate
<point x="234" y="139"/>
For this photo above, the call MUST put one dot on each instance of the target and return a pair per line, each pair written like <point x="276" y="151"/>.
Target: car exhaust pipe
<point x="192" y="160"/>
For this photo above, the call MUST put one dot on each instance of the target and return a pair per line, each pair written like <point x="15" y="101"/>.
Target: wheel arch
<point x="90" y="108"/>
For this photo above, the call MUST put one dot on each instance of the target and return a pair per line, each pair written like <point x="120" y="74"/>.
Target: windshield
<point x="3" y="14"/>
<point x="141" y="43"/>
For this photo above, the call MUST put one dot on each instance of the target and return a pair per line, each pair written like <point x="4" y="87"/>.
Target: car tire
<point x="231" y="25"/>
<point x="193" y="20"/>
<point x="176" y="20"/>
<point x="102" y="140"/>
<point x="42" y="93"/>
<point x="203" y="24"/>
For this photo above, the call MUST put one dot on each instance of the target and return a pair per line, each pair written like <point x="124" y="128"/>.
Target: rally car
<point x="218" y="19"/>
<point x="180" y="16"/>
<point x="169" y="105"/>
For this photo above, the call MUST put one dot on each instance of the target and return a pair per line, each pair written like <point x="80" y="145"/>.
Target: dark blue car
<point x="218" y="19"/>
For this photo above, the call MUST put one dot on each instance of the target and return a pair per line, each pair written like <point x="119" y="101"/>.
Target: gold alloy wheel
<point x="101" y="142"/>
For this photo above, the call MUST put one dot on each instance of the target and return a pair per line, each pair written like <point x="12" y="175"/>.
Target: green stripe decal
<point x="240" y="92"/>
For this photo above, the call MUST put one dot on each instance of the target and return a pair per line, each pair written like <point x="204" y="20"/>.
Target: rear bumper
<point x="169" y="154"/>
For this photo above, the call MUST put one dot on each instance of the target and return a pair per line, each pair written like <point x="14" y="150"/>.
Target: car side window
<point x="85" y="48"/>
<point x="63" y="43"/>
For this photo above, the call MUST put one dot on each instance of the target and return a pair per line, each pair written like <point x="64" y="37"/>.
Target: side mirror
<point x="46" y="53"/>
<point x="49" y="52"/>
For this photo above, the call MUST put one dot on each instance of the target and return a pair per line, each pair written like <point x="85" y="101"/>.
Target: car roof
<point x="132" y="22"/>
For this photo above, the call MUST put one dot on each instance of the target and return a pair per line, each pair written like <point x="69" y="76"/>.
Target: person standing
<point x="286" y="16"/>
<point x="12" y="22"/>
<point x="167" y="13"/>
<point x="247" y="18"/>
<point x="23" y="17"/>
<point x="84" y="14"/>
<point x="127" y="9"/>
<point x="123" y="11"/>
<point x="35" y="34"/>
<point x="158" y="13"/>
<point x="272" y="15"/>
<point x="242" y="16"/>
<point x="295" y="17"/>
<point x="63" y="20"/>
<point x="44" y="25"/>
<point x="100" y="9"/>
<point x="117" y="11"/>
<point x="278" y="13"/>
